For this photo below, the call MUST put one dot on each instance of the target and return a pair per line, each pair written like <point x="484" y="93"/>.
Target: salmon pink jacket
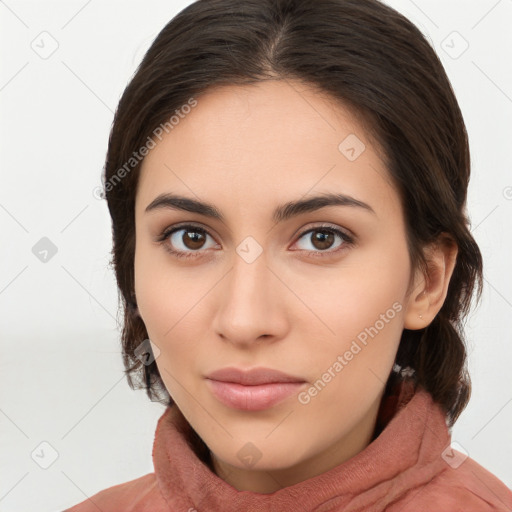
<point x="409" y="466"/>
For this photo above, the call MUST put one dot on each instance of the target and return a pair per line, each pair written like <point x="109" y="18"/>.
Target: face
<point x="318" y="292"/>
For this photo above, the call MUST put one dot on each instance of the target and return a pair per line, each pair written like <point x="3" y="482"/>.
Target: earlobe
<point x="416" y="316"/>
<point x="433" y="288"/>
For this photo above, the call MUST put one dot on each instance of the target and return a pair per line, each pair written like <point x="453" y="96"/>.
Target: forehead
<point x="263" y="143"/>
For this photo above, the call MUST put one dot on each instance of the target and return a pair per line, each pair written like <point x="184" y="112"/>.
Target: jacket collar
<point x="410" y="434"/>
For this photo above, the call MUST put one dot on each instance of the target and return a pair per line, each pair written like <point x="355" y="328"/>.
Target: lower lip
<point x="253" y="398"/>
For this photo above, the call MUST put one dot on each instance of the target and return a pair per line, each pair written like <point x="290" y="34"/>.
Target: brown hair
<point x="360" y="53"/>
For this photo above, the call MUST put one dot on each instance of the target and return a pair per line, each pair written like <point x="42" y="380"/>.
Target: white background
<point x="61" y="377"/>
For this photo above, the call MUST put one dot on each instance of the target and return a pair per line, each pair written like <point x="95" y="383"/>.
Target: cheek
<point x="159" y="291"/>
<point x="354" y="368"/>
<point x="364" y="311"/>
<point x="170" y="308"/>
<point x="163" y="310"/>
<point x="355" y="296"/>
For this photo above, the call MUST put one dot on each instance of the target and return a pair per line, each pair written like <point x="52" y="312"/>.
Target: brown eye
<point x="185" y="241"/>
<point x="192" y="239"/>
<point x="322" y="239"/>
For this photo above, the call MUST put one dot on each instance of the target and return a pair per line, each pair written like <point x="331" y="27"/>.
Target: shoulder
<point x="466" y="488"/>
<point x="138" y="495"/>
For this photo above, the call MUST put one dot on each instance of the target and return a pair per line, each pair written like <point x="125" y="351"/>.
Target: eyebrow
<point x="281" y="213"/>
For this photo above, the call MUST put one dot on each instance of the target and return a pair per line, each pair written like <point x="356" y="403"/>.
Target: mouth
<point x="252" y="390"/>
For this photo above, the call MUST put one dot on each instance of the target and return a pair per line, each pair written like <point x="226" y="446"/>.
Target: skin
<point x="248" y="149"/>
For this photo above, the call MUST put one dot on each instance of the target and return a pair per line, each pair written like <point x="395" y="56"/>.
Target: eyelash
<point x="348" y="240"/>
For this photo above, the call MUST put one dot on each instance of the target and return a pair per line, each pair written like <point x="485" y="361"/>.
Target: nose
<point x="251" y="303"/>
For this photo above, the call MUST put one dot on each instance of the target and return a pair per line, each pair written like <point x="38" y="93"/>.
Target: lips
<point x="252" y="390"/>
<point x="252" y="377"/>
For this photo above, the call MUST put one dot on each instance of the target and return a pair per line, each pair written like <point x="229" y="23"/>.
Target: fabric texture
<point x="408" y="467"/>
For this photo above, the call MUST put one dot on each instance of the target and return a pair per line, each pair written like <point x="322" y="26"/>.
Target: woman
<point x="287" y="183"/>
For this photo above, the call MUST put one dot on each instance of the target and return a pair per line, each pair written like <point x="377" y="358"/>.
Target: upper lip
<point x="252" y="377"/>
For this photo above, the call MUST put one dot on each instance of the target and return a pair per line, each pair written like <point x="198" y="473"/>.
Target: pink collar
<point x="405" y="455"/>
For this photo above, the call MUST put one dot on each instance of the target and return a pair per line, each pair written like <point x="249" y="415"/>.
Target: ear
<point x="429" y="292"/>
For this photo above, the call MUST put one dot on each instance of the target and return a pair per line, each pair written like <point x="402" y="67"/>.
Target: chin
<point x="260" y="456"/>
